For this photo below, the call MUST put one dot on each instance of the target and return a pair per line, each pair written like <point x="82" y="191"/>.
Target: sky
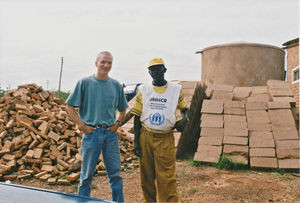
<point x="36" y="34"/>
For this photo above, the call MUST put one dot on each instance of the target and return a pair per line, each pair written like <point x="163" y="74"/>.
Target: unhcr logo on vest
<point x="156" y="119"/>
<point x="163" y="100"/>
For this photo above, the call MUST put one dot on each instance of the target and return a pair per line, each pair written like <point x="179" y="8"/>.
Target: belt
<point x="157" y="135"/>
<point x="101" y="126"/>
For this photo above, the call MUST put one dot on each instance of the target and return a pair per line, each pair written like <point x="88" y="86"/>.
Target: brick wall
<point x="293" y="62"/>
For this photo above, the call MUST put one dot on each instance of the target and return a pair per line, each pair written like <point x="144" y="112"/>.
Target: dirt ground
<point x="201" y="184"/>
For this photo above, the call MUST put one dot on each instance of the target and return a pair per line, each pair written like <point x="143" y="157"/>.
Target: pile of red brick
<point x="38" y="139"/>
<point x="252" y="125"/>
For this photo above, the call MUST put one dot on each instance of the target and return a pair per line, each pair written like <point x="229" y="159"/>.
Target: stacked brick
<point x="252" y="125"/>
<point x="37" y="138"/>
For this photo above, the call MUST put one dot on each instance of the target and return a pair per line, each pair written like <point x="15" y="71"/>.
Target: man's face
<point x="104" y="64"/>
<point x="157" y="72"/>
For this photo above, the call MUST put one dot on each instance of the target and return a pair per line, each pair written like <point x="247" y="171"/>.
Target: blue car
<point x="130" y="90"/>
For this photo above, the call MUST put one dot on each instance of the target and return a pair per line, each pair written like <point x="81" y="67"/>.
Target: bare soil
<point x="200" y="184"/>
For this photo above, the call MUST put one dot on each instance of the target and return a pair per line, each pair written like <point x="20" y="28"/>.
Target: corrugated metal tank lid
<point x="241" y="43"/>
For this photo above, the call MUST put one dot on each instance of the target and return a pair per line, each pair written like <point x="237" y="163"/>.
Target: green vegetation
<point x="279" y="170"/>
<point x="225" y="162"/>
<point x="75" y="187"/>
<point x="2" y="92"/>
<point x="63" y="95"/>
<point x="192" y="191"/>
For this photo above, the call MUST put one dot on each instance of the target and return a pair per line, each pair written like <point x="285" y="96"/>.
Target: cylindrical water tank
<point x="242" y="64"/>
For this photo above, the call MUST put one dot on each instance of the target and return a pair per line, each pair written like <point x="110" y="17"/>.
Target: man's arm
<point x="74" y="116"/>
<point x="180" y="125"/>
<point x="117" y="124"/>
<point x="137" y="130"/>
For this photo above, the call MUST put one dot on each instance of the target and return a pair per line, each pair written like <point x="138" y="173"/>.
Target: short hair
<point x="106" y="53"/>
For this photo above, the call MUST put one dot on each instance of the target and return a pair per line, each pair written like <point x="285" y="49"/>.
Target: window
<point x="295" y="75"/>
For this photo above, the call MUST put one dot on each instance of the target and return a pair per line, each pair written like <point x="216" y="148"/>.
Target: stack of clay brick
<point x="37" y="138"/>
<point x="252" y="125"/>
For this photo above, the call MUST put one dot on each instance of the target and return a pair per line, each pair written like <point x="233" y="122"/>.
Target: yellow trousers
<point x="158" y="163"/>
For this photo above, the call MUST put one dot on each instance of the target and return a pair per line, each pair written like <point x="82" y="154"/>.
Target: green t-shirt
<point x="98" y="100"/>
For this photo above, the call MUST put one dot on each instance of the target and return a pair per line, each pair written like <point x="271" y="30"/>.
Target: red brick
<point x="234" y="118"/>
<point x="73" y="176"/>
<point x="258" y="116"/>
<point x="288" y="153"/>
<point x="208" y="116"/>
<point x="279" y="105"/>
<point x="47" y="168"/>
<point x="284" y="99"/>
<point x="210" y="154"/>
<point x="210" y="141"/>
<point x="282" y="117"/>
<point x="240" y="93"/>
<point x="259" y="126"/>
<point x="231" y="140"/>
<point x="207" y="132"/>
<point x="235" y="125"/>
<point x="53" y="136"/>
<point x="234" y="104"/>
<point x="281" y="92"/>
<point x="258" y="98"/>
<point x="37" y="153"/>
<point x="256" y="106"/>
<point x="261" y="139"/>
<point x="285" y="133"/>
<point x="259" y="90"/>
<point x="234" y="111"/>
<point x="289" y="163"/>
<point x="263" y="162"/>
<point x="236" y="150"/>
<point x="212" y="106"/>
<point x="214" y="121"/>
<point x="230" y="131"/>
<point x="287" y="144"/>
<point x="221" y="95"/>
<point x="262" y="152"/>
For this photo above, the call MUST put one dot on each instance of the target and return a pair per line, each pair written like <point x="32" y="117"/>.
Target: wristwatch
<point x="119" y="122"/>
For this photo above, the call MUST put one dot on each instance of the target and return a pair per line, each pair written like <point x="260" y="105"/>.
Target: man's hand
<point x="114" y="127"/>
<point x="180" y="125"/>
<point x="86" y="129"/>
<point x="137" y="150"/>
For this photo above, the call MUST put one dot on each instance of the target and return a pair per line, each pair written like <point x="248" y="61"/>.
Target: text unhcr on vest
<point x="164" y="100"/>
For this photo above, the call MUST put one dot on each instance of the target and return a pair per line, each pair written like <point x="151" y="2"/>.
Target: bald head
<point x="103" y="53"/>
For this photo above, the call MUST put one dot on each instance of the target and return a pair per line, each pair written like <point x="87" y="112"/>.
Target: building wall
<point x="293" y="62"/>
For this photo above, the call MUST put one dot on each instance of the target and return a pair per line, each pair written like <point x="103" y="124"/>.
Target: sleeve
<point x="138" y="104"/>
<point x="76" y="97"/>
<point x="181" y="101"/>
<point x="122" y="100"/>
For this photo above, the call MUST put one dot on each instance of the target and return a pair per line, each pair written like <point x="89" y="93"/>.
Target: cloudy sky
<point x="35" y="34"/>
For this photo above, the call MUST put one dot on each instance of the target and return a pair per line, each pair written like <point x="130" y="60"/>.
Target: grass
<point x="75" y="187"/>
<point x="192" y="191"/>
<point x="64" y="177"/>
<point x="183" y="176"/>
<point x="225" y="162"/>
<point x="281" y="174"/>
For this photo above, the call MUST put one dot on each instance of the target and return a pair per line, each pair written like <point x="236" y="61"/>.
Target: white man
<point x="98" y="97"/>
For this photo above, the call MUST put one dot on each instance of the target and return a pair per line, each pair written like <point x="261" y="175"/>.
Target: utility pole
<point x="61" y="67"/>
<point x="47" y="82"/>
